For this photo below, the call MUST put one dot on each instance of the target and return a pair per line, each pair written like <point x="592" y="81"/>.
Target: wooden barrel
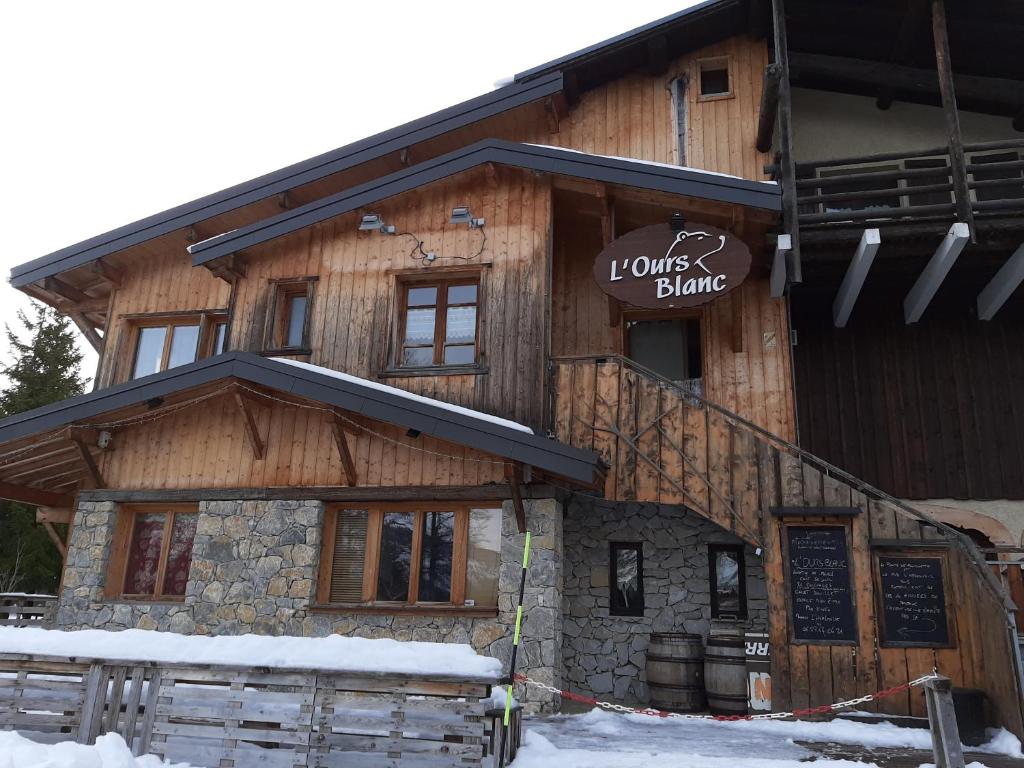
<point x="725" y="674"/>
<point x="675" y="672"/>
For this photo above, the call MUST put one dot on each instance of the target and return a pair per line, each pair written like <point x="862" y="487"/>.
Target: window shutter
<point x="349" y="556"/>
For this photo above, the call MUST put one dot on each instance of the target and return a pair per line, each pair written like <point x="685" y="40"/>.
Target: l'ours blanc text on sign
<point x="657" y="267"/>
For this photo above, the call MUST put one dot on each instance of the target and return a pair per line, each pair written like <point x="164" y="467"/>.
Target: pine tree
<point x="45" y="368"/>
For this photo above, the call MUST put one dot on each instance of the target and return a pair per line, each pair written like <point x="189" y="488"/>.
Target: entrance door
<point x="670" y="347"/>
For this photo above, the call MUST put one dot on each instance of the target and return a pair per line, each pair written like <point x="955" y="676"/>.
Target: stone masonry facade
<point x="254" y="569"/>
<point x="606" y="655"/>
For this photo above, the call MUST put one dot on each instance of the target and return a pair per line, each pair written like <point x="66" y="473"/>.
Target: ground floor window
<point x="412" y="554"/>
<point x="152" y="552"/>
<point x="626" y="582"/>
<point x="728" y="582"/>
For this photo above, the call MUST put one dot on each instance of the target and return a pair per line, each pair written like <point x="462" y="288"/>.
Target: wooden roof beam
<point x="1002" y="285"/>
<point x="769" y="110"/>
<point x="35" y="496"/>
<point x="777" y="282"/>
<point x="54" y="515"/>
<point x="65" y="290"/>
<point x="109" y="273"/>
<point x="923" y="291"/>
<point x="855" y="275"/>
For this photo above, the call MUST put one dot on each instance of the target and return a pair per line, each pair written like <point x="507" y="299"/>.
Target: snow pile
<point x="110" y="751"/>
<point x="349" y="654"/>
<point x="407" y="395"/>
<point x="600" y="739"/>
<point x="539" y="752"/>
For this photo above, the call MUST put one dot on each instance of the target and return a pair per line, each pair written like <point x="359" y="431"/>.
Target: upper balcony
<point x="911" y="189"/>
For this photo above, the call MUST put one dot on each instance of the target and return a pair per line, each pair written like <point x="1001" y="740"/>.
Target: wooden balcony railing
<point x="914" y="185"/>
<point x="665" y="445"/>
<point x="21" y="610"/>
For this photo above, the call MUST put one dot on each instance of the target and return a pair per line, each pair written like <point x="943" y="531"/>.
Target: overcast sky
<point x="116" y="110"/>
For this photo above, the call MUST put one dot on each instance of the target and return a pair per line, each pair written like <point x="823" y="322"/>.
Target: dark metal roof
<point x="612" y="170"/>
<point x="633" y="37"/>
<point x="464" y="429"/>
<point x="262" y="187"/>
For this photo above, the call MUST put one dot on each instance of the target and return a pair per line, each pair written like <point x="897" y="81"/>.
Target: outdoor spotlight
<point x="462" y="215"/>
<point x="677" y="222"/>
<point x="373" y="221"/>
<point x="103" y="439"/>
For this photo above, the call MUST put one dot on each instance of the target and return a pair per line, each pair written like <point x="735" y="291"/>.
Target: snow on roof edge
<point x="407" y="395"/>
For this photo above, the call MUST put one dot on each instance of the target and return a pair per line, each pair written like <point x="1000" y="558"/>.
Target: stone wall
<point x="254" y="568"/>
<point x="606" y="655"/>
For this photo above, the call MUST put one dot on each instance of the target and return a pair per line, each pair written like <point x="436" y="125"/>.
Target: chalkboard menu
<point x="913" y="601"/>
<point x="820" y="594"/>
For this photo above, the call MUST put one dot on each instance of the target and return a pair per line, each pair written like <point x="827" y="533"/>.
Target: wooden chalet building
<point x="620" y="303"/>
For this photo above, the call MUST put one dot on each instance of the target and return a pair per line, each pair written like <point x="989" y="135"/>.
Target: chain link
<point x="821" y="710"/>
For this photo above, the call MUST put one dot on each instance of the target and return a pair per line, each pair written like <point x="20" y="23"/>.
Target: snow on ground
<point x="600" y="739"/>
<point x="110" y="751"/>
<point x="341" y="376"/>
<point x="350" y="654"/>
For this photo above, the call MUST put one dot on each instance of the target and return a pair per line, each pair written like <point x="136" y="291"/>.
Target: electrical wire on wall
<point x="428" y="257"/>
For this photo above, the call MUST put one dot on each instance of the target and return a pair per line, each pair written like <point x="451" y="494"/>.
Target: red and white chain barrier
<point x="822" y="710"/>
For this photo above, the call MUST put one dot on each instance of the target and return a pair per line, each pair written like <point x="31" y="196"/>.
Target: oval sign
<point x="657" y="268"/>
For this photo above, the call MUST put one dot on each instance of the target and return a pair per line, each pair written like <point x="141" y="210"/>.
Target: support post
<point x="769" y="107"/>
<point x="958" y="165"/>
<point x="56" y="539"/>
<point x="94" y="339"/>
<point x="938" y="695"/>
<point x="790" y="213"/>
<point x="856" y="273"/>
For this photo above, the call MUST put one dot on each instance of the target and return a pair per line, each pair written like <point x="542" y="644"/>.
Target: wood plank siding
<point x="686" y="451"/>
<point x="922" y="411"/>
<point x="205" y="446"/>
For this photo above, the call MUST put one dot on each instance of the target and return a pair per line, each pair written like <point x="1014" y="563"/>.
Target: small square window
<point x="714" y="78"/>
<point x="728" y="582"/>
<point x="153" y="552"/>
<point x="438" y="324"/>
<point x="288" y="329"/>
<point x="626" y="579"/>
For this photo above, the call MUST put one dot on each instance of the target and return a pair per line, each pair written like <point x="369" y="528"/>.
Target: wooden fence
<point x="241" y="716"/>
<point x="21" y="610"/>
<point x="664" y="445"/>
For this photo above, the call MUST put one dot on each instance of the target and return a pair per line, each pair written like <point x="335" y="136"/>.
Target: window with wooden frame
<point x="438" y="322"/>
<point x="160" y="342"/>
<point x="727" y="575"/>
<point x="714" y="81"/>
<point x="432" y="555"/>
<point x="288" y="325"/>
<point x="151" y="552"/>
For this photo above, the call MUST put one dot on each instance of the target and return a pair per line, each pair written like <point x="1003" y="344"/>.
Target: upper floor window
<point x="152" y="552"/>
<point x="439" y="322"/>
<point x="714" y="79"/>
<point x="163" y="342"/>
<point x="412" y="554"/>
<point x="289" y="317"/>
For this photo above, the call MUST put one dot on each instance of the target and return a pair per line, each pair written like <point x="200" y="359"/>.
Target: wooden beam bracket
<point x="90" y="463"/>
<point x="856" y="273"/>
<point x="249" y="421"/>
<point x="513" y="473"/>
<point x="341" y="440"/>
<point x="1002" y="285"/>
<point x="35" y="496"/>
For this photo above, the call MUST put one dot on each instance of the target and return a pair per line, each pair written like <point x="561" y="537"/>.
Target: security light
<point x="371" y="221"/>
<point x="677" y="223"/>
<point x="462" y="215"/>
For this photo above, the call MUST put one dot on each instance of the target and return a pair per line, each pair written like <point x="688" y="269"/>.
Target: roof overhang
<point x="285" y="179"/>
<point x="364" y="398"/>
<point x="685" y="182"/>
